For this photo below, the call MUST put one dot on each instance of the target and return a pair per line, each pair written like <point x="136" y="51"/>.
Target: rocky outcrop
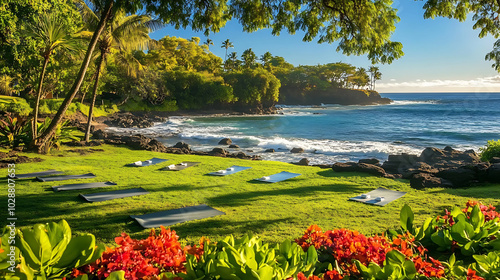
<point x="290" y="95"/>
<point x="141" y="142"/>
<point x="297" y="150"/>
<point x="129" y="120"/>
<point x="225" y="141"/>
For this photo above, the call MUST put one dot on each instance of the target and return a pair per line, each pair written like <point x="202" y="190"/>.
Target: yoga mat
<point x="278" y="177"/>
<point x="374" y="196"/>
<point x="103" y="196"/>
<point x="83" y="186"/>
<point x="38" y="174"/>
<point x="228" y="171"/>
<point x="180" y="166"/>
<point x="150" y="162"/>
<point x="65" y="177"/>
<point x="175" y="216"/>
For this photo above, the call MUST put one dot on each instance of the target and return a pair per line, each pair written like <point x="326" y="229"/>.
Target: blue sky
<point x="441" y="55"/>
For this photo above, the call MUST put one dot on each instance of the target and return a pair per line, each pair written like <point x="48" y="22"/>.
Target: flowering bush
<point x="140" y="259"/>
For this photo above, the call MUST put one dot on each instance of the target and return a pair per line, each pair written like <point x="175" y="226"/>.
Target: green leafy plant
<point x="488" y="266"/>
<point x="14" y="130"/>
<point x="51" y="252"/>
<point x="63" y="133"/>
<point x="491" y="150"/>
<point x="249" y="259"/>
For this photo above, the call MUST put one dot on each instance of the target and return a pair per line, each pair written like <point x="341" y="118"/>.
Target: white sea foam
<point x="414" y="102"/>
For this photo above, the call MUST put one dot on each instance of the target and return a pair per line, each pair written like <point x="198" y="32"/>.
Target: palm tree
<point x="249" y="58"/>
<point x="209" y="42"/>
<point x="124" y="34"/>
<point x="266" y="59"/>
<point x="375" y="75"/>
<point x="232" y="61"/>
<point x="54" y="35"/>
<point x="226" y="45"/>
<point x="40" y="143"/>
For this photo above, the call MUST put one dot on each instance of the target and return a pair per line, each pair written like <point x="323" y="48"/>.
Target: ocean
<point x="333" y="133"/>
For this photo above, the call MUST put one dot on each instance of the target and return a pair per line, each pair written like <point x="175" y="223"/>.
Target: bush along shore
<point x="459" y="244"/>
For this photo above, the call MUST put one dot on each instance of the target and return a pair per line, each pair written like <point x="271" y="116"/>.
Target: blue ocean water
<point x="331" y="133"/>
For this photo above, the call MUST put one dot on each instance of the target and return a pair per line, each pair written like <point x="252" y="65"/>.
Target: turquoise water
<point x="332" y="133"/>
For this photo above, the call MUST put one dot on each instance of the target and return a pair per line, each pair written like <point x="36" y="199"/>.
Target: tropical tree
<point x="53" y="33"/>
<point x="123" y="34"/>
<point x="249" y="58"/>
<point x="209" y="42"/>
<point x="232" y="62"/>
<point x="266" y="59"/>
<point x="375" y="75"/>
<point x="360" y="27"/>
<point x="6" y="85"/>
<point x="226" y="45"/>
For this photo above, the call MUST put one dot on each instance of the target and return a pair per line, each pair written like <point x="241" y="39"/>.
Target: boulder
<point x="225" y="141"/>
<point x="418" y="167"/>
<point x="233" y="146"/>
<point x="371" y="169"/>
<point x="182" y="145"/>
<point x="397" y="164"/>
<point x="373" y="161"/>
<point x="241" y="155"/>
<point x="449" y="158"/>
<point x="460" y="177"/>
<point x="100" y="134"/>
<point x="345" y="167"/>
<point x="494" y="173"/>
<point x="303" y="161"/>
<point x="218" y="152"/>
<point x="270" y="151"/>
<point x="425" y="180"/>
<point x="297" y="150"/>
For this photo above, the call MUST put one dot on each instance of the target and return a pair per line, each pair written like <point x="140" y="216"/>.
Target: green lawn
<point x="273" y="211"/>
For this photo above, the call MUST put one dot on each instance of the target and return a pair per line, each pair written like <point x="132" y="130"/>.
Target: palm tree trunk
<point x="94" y="95"/>
<point x="40" y="143"/>
<point x="34" y="126"/>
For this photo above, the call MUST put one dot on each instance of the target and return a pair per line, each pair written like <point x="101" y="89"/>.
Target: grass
<point x="273" y="211"/>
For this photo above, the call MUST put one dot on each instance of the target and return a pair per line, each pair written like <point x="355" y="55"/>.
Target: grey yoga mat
<point x="103" y="196"/>
<point x="180" y="166"/>
<point x="228" y="171"/>
<point x="378" y="197"/>
<point x="83" y="186"/>
<point x="150" y="162"/>
<point x="38" y="174"/>
<point x="175" y="216"/>
<point x="278" y="177"/>
<point x="65" y="177"/>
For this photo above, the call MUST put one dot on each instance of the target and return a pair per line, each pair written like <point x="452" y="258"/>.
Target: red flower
<point x="471" y="275"/>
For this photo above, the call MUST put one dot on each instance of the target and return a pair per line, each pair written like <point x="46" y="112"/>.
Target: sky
<point x="441" y="55"/>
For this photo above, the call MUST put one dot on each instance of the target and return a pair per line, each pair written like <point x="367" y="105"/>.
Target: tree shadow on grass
<point x="331" y="173"/>
<point x="490" y="191"/>
<point x="239" y="199"/>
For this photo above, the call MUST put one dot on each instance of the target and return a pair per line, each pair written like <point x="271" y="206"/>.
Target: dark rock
<point x="495" y="160"/>
<point x="418" y="167"/>
<point x="92" y="143"/>
<point x="398" y="164"/>
<point x="448" y="149"/>
<point x="371" y="169"/>
<point x="494" y="173"/>
<point x="233" y="146"/>
<point x="225" y="141"/>
<point x="182" y="145"/>
<point x="297" y="150"/>
<point x="373" y="161"/>
<point x="323" y="166"/>
<point x="129" y="120"/>
<point x="270" y="151"/>
<point x="425" y="180"/>
<point x="241" y="155"/>
<point x="100" y="134"/>
<point x="303" y="161"/>
<point x="345" y="167"/>
<point x="460" y="177"/>
<point x="481" y="169"/>
<point x="218" y="151"/>
<point x="443" y="159"/>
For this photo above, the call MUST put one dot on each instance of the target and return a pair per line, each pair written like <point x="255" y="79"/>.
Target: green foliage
<point x="63" y="133"/>
<point x="491" y="150"/>
<point x="14" y="130"/>
<point x="51" y="252"/>
<point x="50" y="106"/>
<point x="254" y="87"/>
<point x="249" y="258"/>
<point x="15" y="105"/>
<point x="488" y="265"/>
<point x="395" y="266"/>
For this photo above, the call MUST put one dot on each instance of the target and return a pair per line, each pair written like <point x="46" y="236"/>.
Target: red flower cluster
<point x="329" y="275"/>
<point x="488" y="211"/>
<point x="140" y="259"/>
<point x="434" y="268"/>
<point x="471" y="275"/>
<point x="346" y="245"/>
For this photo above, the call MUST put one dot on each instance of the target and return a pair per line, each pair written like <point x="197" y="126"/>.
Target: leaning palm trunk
<point x="34" y="126"/>
<point x="40" y="143"/>
<point x="94" y="95"/>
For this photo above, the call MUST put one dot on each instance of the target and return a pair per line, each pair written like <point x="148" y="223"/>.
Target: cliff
<point x="331" y="96"/>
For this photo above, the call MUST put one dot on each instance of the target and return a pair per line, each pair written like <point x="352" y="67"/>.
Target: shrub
<point x="14" y="105"/>
<point x="491" y="150"/>
<point x="14" y="130"/>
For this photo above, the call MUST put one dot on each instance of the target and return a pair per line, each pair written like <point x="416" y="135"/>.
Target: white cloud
<point x="485" y="84"/>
